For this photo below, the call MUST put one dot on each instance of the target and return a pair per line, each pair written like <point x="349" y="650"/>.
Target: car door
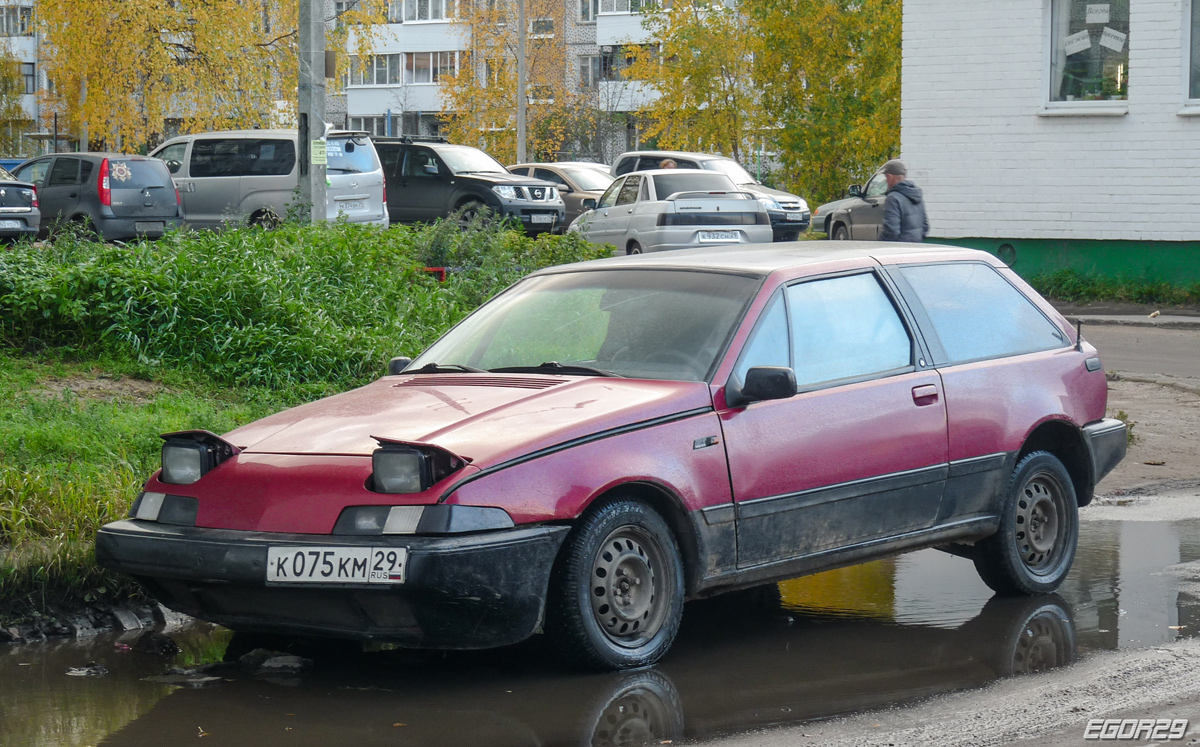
<point x="621" y="213"/>
<point x="866" y="214"/>
<point x="212" y="195"/>
<point x="598" y="228"/>
<point x="859" y="454"/>
<point x="34" y="173"/>
<point x="59" y="194"/>
<point x="424" y="184"/>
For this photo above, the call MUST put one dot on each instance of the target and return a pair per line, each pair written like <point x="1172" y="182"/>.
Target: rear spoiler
<point x="693" y="195"/>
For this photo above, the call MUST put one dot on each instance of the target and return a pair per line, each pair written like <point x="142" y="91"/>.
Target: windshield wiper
<point x="445" y="368"/>
<point x="344" y="169"/>
<point x="556" y="367"/>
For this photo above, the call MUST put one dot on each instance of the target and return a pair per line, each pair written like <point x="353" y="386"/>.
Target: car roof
<point x="262" y="133"/>
<point x="94" y="154"/>
<point x="675" y="154"/>
<point x="764" y="259"/>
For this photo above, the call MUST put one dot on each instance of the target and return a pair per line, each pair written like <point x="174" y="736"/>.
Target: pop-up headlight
<point x="398" y="469"/>
<point x="188" y="456"/>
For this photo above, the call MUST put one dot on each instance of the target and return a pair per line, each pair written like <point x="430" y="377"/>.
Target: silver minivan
<point x="250" y="176"/>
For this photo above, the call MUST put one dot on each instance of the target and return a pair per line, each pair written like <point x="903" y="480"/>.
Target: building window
<point x="541" y="28"/>
<point x="377" y="126"/>
<point x="428" y="10"/>
<point x="615" y="59"/>
<point x="1194" y="78"/>
<point x="429" y="67"/>
<point x="395" y="11"/>
<point x="29" y="73"/>
<point x="589" y="70"/>
<point x="379" y="70"/>
<point x="541" y="94"/>
<point x="1089" y="50"/>
<point x="588" y="10"/>
<point x="621" y="6"/>
<point x="16" y="20"/>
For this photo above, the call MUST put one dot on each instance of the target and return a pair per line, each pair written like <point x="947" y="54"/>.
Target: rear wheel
<point x="840" y="233"/>
<point x="266" y="219"/>
<point x="616" y="594"/>
<point x="1034" y="547"/>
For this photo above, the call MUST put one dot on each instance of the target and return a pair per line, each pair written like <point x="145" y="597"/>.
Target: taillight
<point x="102" y="184"/>
<point x="178" y="199"/>
<point x="35" y="201"/>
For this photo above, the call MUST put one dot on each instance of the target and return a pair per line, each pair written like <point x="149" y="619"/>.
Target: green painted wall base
<point x="1175" y="262"/>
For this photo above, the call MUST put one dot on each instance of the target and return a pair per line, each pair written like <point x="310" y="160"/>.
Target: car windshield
<point x="694" y="181"/>
<point x="732" y="169"/>
<point x="589" y="180"/>
<point x="5" y="176"/>
<point x="651" y="324"/>
<point x="462" y="159"/>
<point x="351" y="155"/>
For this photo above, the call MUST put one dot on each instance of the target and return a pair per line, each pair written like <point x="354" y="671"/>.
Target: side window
<point x="269" y="157"/>
<point x="65" y="171"/>
<point x="85" y="171"/>
<point x="648" y="162"/>
<point x="216" y="158"/>
<point x="173" y="154"/>
<point x="845" y="327"/>
<point x="523" y="171"/>
<point x="768" y="343"/>
<point x="34" y="173"/>
<point x="390" y="157"/>
<point x="687" y="164"/>
<point x="877" y="187"/>
<point x="610" y="195"/>
<point x="548" y="175"/>
<point x="976" y="313"/>
<point x="419" y="162"/>
<point x="624" y="167"/>
<point x="629" y="192"/>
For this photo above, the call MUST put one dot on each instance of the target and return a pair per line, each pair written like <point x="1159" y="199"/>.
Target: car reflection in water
<point x="762" y="657"/>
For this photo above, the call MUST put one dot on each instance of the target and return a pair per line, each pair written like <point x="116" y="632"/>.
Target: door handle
<point x="72" y="195"/>
<point x="191" y="187"/>
<point x="926" y="394"/>
<point x="630" y="210"/>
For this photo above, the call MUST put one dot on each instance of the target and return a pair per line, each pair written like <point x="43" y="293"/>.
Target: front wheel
<point x="841" y="233"/>
<point x="633" y="248"/>
<point x="616" y="594"/>
<point x="1032" y="551"/>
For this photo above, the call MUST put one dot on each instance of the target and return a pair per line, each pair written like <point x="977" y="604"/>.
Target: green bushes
<point x="1072" y="285"/>
<point x="229" y="327"/>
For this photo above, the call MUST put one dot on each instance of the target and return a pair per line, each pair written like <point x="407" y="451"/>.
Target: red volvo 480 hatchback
<point x="603" y="441"/>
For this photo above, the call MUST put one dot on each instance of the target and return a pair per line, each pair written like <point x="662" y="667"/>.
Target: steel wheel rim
<point x="1037" y="648"/>
<point x="625" y="586"/>
<point x="1040" y="525"/>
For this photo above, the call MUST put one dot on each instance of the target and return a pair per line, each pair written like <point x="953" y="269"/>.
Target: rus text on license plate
<point x="348" y="205"/>
<point x="541" y="218"/>
<point x="11" y="224"/>
<point x="336" y="565"/>
<point x="718" y="235"/>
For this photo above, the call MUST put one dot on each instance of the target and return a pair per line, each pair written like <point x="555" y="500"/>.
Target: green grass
<point x="1074" y="286"/>
<point x="104" y="347"/>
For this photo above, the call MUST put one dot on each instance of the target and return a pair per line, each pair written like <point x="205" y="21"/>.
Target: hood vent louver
<point x="510" y="382"/>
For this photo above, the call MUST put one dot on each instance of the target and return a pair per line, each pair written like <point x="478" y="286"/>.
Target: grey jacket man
<point x="904" y="214"/>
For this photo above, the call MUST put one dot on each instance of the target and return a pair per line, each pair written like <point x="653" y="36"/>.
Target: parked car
<point x="860" y="215"/>
<point x="653" y="211"/>
<point x="250" y="176"/>
<point x="789" y="213"/>
<point x="116" y="195"/>
<point x="575" y="183"/>
<point x="19" y="212"/>
<point x="604" y="440"/>
<point x="822" y="213"/>
<point x="428" y="179"/>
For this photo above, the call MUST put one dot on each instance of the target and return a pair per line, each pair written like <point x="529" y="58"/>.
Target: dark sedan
<point x="19" y="214"/>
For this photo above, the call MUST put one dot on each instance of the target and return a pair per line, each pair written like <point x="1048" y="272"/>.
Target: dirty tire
<point x="641" y="708"/>
<point x="616" y="593"/>
<point x="468" y="212"/>
<point x="840" y="233"/>
<point x="1032" y="550"/>
<point x="266" y="219"/>
<point x="633" y="248"/>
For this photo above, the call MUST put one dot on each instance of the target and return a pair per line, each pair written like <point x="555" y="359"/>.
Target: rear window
<point x="351" y="155"/>
<point x="668" y="184"/>
<point x="137" y="174"/>
<point x="978" y="314"/>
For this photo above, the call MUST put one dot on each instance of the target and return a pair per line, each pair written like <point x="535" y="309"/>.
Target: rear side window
<point x="137" y="174"/>
<point x="978" y="314"/>
<point x="845" y="328"/>
<point x="351" y="155"/>
<point x="268" y="157"/>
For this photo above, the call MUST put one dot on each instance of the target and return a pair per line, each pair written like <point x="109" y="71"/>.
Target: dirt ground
<point x="1165" y="454"/>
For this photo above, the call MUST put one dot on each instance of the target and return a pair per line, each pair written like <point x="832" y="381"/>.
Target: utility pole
<point x="311" y="106"/>
<point x="521" y="81"/>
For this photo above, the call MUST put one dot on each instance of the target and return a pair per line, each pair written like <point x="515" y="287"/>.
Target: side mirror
<point x="588" y="203"/>
<point x="564" y="188"/>
<point x="174" y="166"/>
<point x="397" y="365"/>
<point x="763" y="383"/>
<point x="431" y="168"/>
<point x="853" y="191"/>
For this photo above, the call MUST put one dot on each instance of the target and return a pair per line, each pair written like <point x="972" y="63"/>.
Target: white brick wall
<point x="973" y="84"/>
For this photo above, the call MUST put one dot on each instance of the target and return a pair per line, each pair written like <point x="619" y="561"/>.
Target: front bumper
<point x="460" y="592"/>
<point x="785" y="229"/>
<point x="548" y="217"/>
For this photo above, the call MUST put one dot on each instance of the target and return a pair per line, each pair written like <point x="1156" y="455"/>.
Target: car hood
<point x="484" y="418"/>
<point x="776" y="194"/>
<point x="495" y="177"/>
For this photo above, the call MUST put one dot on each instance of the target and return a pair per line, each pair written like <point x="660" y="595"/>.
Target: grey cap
<point x="896" y="167"/>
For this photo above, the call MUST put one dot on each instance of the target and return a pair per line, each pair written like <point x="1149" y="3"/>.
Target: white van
<point x="250" y="176"/>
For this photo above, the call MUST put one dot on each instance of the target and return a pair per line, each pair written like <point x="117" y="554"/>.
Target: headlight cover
<point x="189" y="455"/>
<point x="399" y="469"/>
<point x="506" y="191"/>
<point x="769" y="203"/>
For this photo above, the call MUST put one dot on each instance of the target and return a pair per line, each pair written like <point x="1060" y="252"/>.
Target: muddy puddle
<point x="854" y="639"/>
